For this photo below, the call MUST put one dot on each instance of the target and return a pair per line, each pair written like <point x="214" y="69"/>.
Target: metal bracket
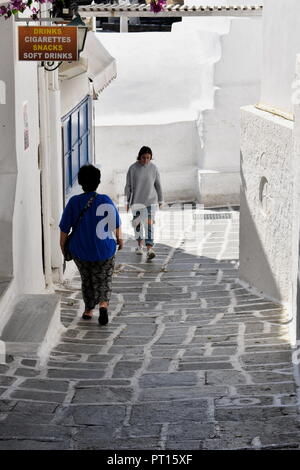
<point x="50" y="66"/>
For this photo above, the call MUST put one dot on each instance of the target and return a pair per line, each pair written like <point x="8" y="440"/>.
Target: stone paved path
<point x="189" y="360"/>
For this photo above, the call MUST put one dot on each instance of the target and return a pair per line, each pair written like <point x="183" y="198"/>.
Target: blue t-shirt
<point x="93" y="239"/>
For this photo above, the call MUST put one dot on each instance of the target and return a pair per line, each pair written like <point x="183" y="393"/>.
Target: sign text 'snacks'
<point x="48" y="43"/>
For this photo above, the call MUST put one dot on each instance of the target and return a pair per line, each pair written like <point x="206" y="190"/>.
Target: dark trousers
<point x="96" y="280"/>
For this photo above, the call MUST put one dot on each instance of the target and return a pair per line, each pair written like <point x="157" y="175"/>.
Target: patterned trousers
<point x="96" y="280"/>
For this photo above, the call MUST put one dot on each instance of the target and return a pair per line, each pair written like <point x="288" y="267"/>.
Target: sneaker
<point x="151" y="253"/>
<point x="139" y="250"/>
<point x="103" y="317"/>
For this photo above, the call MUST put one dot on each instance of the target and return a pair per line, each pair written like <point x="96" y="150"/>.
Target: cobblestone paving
<point x="189" y="360"/>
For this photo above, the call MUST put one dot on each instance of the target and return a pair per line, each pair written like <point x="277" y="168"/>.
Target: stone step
<point x="4" y="283"/>
<point x="34" y="327"/>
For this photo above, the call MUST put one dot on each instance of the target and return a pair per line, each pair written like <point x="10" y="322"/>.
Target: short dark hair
<point x="89" y="178"/>
<point x="144" y="150"/>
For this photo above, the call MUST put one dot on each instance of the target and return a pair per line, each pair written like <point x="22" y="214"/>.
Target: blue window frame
<point x="76" y="139"/>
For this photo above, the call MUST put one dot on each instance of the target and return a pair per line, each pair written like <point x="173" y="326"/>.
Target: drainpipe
<point x="45" y="172"/>
<point x="56" y="171"/>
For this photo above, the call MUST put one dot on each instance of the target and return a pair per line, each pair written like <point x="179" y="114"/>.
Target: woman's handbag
<point x="67" y="254"/>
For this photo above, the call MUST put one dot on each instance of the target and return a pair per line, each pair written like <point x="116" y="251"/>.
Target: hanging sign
<point x="48" y="43"/>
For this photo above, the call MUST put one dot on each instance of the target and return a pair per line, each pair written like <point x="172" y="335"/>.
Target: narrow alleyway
<point x="189" y="360"/>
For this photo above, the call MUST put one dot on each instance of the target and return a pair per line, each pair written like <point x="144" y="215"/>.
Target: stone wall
<point x="270" y="143"/>
<point x="267" y="205"/>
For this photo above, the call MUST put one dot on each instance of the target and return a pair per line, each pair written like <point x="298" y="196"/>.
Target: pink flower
<point x="5" y="11"/>
<point x="14" y="6"/>
<point x="157" y="5"/>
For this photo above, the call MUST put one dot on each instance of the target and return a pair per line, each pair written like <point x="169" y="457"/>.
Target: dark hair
<point x="143" y="151"/>
<point x="89" y="178"/>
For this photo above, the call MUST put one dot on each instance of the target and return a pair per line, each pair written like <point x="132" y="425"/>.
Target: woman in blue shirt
<point x="94" y="242"/>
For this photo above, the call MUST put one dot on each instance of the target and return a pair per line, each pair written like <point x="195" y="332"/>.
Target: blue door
<point x="76" y="135"/>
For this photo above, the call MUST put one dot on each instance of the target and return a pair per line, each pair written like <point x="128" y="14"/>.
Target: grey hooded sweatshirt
<point x="143" y="185"/>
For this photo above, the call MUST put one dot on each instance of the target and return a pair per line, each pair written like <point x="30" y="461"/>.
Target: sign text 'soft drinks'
<point x="44" y="43"/>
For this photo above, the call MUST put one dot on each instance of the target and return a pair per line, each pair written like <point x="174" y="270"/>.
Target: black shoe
<point x="103" y="317"/>
<point x="86" y="317"/>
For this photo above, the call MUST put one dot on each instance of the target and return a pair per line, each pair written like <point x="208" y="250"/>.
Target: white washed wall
<point x="281" y="39"/>
<point x="8" y="164"/>
<point x="178" y="169"/>
<point x="165" y="82"/>
<point x="73" y="91"/>
<point x="269" y="232"/>
<point x="27" y="212"/>
<point x="241" y="52"/>
<point x="20" y="208"/>
<point x="266" y="219"/>
<point x="161" y="86"/>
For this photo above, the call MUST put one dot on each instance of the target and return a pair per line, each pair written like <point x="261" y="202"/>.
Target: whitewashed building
<point x="46" y="133"/>
<point x="270" y="149"/>
<point x="180" y="93"/>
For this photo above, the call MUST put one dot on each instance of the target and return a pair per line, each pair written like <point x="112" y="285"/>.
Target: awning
<point x="95" y="61"/>
<point x="102" y="67"/>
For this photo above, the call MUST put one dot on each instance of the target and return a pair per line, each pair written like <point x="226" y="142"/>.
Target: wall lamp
<point x="82" y="30"/>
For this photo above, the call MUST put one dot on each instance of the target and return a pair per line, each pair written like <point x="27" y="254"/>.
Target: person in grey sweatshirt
<point x="143" y="192"/>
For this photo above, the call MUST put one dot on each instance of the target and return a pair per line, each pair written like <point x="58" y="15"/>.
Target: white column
<point x="46" y="174"/>
<point x="56" y="164"/>
<point x="124" y="24"/>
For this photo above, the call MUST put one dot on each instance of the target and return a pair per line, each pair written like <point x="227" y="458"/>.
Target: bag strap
<point x="86" y="207"/>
